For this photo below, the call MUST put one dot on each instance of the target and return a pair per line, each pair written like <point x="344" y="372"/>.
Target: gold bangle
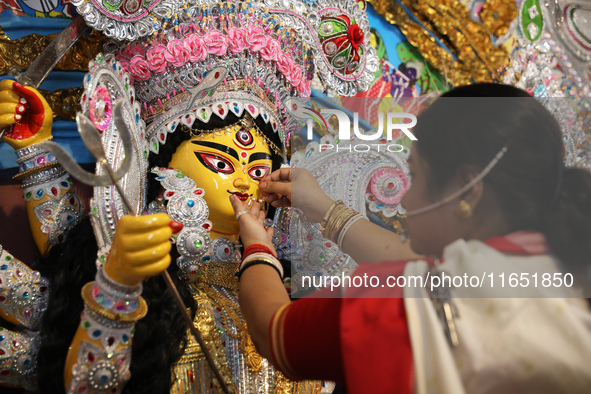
<point x="36" y="169"/>
<point x="340" y="224"/>
<point x="136" y="315"/>
<point x="337" y="219"/>
<point x="324" y="220"/>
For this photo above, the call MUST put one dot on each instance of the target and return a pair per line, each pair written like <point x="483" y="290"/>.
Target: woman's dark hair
<point x="469" y="125"/>
<point x="160" y="337"/>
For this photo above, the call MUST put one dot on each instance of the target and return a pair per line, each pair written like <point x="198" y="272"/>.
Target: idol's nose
<point x="242" y="184"/>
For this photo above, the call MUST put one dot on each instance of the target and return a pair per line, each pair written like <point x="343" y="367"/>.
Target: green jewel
<point x="28" y="195"/>
<point x="8" y="258"/>
<point x="180" y="175"/>
<point x="103" y="258"/>
<point x="321" y="257"/>
<point x="86" y="325"/>
<point x="198" y="243"/>
<point x="126" y="86"/>
<point x="94" y="211"/>
<point x="220" y="331"/>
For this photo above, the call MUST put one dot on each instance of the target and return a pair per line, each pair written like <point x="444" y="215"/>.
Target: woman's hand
<point x="251" y="219"/>
<point x="25" y="116"/>
<point x="298" y="188"/>
<point x="141" y="248"/>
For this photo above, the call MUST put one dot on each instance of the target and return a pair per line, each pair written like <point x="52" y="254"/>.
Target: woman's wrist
<point x="260" y="258"/>
<point x="318" y="209"/>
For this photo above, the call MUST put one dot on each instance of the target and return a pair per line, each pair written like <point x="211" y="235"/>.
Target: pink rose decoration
<point x="304" y="88"/>
<point x="137" y="49"/>
<point x="217" y="43"/>
<point x="256" y="38"/>
<point x="126" y="53"/>
<point x="237" y="40"/>
<point x="295" y="75"/>
<point x="176" y="53"/>
<point x="139" y="68"/>
<point x="196" y="46"/>
<point x="156" y="58"/>
<point x="270" y="51"/>
<point x="283" y="63"/>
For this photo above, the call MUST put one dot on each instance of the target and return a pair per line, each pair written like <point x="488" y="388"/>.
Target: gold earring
<point x="464" y="210"/>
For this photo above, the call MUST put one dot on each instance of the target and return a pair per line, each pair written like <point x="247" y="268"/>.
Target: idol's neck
<point x="216" y="233"/>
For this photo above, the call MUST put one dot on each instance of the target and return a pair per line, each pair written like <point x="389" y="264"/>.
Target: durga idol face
<point x="225" y="162"/>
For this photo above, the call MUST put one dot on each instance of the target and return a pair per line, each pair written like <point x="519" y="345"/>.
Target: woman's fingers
<point x="278" y="188"/>
<point x="238" y="205"/>
<point x="255" y="209"/>
<point x="282" y="174"/>
<point x="281" y="203"/>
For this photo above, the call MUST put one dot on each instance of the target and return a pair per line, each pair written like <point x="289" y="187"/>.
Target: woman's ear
<point x="464" y="175"/>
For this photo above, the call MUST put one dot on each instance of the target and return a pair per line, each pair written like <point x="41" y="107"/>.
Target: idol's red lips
<point x="241" y="196"/>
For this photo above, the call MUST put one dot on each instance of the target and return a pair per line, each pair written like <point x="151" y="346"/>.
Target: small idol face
<point x="225" y="163"/>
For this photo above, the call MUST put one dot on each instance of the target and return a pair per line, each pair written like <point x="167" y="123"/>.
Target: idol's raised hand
<point x="25" y="115"/>
<point x="141" y="248"/>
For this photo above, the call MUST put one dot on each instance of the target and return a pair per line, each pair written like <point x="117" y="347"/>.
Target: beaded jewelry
<point x="23" y="292"/>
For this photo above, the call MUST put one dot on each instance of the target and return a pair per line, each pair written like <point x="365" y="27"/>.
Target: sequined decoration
<point x="23" y="292"/>
<point x="184" y="202"/>
<point x="64" y="103"/>
<point x="22" y="52"/>
<point x="226" y="336"/>
<point x="367" y="182"/>
<point x="57" y="217"/>
<point x="498" y="15"/>
<point x="475" y="58"/>
<point x="18" y="358"/>
<point x="547" y="66"/>
<point x="98" y="371"/>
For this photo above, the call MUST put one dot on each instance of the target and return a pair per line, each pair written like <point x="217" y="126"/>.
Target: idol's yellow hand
<point x="141" y="248"/>
<point x="25" y="116"/>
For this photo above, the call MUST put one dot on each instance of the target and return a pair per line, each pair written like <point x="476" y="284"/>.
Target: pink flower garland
<point x="196" y="47"/>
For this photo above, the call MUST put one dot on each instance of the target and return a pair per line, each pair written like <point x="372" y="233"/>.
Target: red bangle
<point x="255" y="248"/>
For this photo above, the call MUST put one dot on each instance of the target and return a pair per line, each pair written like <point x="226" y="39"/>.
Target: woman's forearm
<point x="261" y="294"/>
<point x="367" y="242"/>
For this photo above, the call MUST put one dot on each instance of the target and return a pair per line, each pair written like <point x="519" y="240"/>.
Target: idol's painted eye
<point x="259" y="172"/>
<point x="215" y="163"/>
<point x="244" y="137"/>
